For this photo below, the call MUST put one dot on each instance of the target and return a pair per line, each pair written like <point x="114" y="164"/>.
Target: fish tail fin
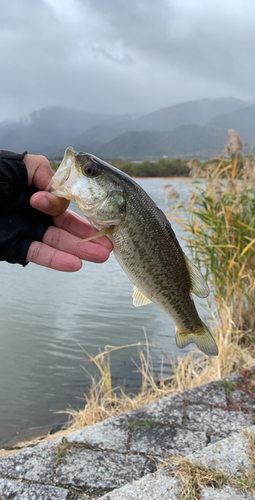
<point x="202" y="338"/>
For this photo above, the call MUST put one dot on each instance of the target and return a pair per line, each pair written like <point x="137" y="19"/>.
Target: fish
<point x="144" y="242"/>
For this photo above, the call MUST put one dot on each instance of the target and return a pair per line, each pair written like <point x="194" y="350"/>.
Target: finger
<point x="66" y="242"/>
<point x="76" y="225"/>
<point x="48" y="203"/>
<point x="43" y="255"/>
<point x="39" y="170"/>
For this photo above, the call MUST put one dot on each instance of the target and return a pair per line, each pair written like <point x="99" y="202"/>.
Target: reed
<point x="221" y="223"/>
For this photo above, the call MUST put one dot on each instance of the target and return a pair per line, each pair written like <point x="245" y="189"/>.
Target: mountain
<point x="182" y="129"/>
<point x="166" y="119"/>
<point x="186" y="113"/>
<point x="49" y="129"/>
<point x="242" y="121"/>
<point x="100" y="134"/>
<point x="185" y="141"/>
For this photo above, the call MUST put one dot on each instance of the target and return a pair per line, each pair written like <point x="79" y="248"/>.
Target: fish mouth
<point x="64" y="179"/>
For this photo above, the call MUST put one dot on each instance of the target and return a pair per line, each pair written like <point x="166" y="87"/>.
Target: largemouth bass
<point x="144" y="242"/>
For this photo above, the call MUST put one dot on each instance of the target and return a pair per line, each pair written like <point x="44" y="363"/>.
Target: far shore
<point x="179" y="178"/>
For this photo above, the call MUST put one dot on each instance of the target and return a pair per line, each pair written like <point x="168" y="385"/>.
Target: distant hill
<point x="242" y="121"/>
<point x="166" y="119"/>
<point x="185" y="129"/>
<point x="100" y="134"/>
<point x="49" y="129"/>
<point x="187" y="113"/>
<point x="185" y="141"/>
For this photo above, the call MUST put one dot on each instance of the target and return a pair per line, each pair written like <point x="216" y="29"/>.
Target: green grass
<point x="161" y="168"/>
<point x="62" y="449"/>
<point x="140" y="423"/>
<point x="227" y="385"/>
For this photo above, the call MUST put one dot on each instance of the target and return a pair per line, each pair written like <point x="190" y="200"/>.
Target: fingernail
<point x="41" y="204"/>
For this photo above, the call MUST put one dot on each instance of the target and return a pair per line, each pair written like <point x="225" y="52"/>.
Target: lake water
<point x="45" y="318"/>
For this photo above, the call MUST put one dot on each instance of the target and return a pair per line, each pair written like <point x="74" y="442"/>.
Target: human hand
<point x="61" y="247"/>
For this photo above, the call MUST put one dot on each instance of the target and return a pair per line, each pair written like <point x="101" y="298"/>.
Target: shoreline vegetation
<point x="165" y="167"/>
<point x="220" y="225"/>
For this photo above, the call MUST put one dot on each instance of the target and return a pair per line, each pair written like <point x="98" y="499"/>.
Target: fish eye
<point x="89" y="170"/>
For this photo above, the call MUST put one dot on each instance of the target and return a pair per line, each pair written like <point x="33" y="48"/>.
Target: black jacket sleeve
<point x="20" y="224"/>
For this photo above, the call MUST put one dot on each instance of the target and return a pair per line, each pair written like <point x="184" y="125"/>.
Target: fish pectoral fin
<point x="139" y="298"/>
<point x="198" y="284"/>
<point x="102" y="232"/>
<point x="202" y="338"/>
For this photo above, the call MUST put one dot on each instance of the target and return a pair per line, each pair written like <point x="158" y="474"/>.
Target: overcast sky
<point x="123" y="56"/>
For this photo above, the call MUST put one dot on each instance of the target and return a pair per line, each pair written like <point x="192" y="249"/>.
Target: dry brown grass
<point x="103" y="401"/>
<point x="172" y="194"/>
<point x="233" y="145"/>
<point x="193" y="476"/>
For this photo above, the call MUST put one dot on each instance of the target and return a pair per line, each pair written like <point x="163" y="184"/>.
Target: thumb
<point x="48" y="203"/>
<point x="39" y="170"/>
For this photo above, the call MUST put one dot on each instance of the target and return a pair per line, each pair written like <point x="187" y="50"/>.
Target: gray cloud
<point x="120" y="56"/>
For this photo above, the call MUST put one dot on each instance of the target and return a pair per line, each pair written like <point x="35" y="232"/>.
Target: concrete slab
<point x="155" y="440"/>
<point x="242" y="400"/>
<point x="217" y="421"/>
<point x="229" y="455"/>
<point x="168" y="410"/>
<point x="156" y="486"/>
<point x="210" y="394"/>
<point x="127" y="448"/>
<point x="112" y="434"/>
<point x="226" y="493"/>
<point x="95" y="469"/>
<point x="23" y="491"/>
<point x="34" y="464"/>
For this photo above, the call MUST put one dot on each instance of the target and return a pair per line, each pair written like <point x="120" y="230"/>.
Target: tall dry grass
<point x="104" y="401"/>
<point x="221" y="223"/>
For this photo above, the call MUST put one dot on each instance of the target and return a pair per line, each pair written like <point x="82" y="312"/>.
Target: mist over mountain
<point x="185" y="141"/>
<point x="241" y="120"/>
<point x="186" y="129"/>
<point x="187" y="113"/>
<point x="166" y="119"/>
<point x="49" y="129"/>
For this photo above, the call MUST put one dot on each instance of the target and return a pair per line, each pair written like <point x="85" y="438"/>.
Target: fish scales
<point x="147" y="249"/>
<point x="144" y="242"/>
<point x="150" y="257"/>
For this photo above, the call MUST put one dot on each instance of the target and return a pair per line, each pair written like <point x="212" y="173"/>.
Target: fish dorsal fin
<point x="139" y="298"/>
<point x="198" y="284"/>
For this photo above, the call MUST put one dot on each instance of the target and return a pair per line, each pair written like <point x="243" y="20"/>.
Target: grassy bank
<point x="220" y="224"/>
<point x="161" y="168"/>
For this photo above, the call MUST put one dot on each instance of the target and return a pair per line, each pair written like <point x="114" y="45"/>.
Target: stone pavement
<point x="118" y="459"/>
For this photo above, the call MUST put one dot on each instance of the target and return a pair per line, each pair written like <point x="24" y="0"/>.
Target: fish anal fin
<point x="139" y="298"/>
<point x="102" y="232"/>
<point x="198" y="284"/>
<point x="202" y="338"/>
